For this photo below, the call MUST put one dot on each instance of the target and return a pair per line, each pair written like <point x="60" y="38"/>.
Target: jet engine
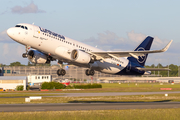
<point x="35" y="56"/>
<point x="81" y="57"/>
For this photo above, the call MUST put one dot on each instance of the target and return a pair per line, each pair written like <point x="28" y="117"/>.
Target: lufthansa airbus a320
<point x="48" y="46"/>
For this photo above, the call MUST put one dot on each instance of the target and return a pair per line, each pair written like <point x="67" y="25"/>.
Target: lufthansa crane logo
<point x="141" y="58"/>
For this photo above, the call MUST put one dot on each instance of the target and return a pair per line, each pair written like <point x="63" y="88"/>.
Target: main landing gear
<point x="25" y="55"/>
<point x="90" y="72"/>
<point x="60" y="72"/>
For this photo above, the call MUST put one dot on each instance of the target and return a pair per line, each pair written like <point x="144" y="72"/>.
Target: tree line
<point x="172" y="73"/>
<point x="19" y="64"/>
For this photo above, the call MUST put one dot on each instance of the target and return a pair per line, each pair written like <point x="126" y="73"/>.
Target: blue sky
<point x="109" y="24"/>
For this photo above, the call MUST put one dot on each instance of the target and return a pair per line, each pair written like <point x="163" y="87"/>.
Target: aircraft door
<point x="36" y="32"/>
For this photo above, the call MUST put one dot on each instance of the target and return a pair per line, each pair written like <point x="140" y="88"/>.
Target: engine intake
<point x="81" y="57"/>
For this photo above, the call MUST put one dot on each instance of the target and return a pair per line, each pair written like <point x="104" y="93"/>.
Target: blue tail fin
<point x="145" y="45"/>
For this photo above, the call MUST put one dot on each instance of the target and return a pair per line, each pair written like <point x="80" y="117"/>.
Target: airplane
<point x="49" y="46"/>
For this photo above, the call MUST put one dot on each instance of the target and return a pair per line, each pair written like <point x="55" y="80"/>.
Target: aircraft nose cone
<point x="10" y="32"/>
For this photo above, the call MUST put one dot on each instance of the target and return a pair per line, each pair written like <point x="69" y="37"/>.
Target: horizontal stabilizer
<point x="153" y="69"/>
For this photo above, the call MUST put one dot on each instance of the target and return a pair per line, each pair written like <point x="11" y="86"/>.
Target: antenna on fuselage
<point x="33" y="23"/>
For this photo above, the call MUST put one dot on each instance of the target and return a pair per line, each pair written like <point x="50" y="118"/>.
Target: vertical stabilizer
<point x="145" y="45"/>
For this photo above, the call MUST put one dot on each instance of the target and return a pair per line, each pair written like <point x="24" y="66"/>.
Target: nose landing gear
<point x="25" y="55"/>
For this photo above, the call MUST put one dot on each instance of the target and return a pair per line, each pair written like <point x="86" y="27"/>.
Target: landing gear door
<point x="128" y="69"/>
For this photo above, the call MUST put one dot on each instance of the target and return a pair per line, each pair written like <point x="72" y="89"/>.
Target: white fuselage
<point x="59" y="47"/>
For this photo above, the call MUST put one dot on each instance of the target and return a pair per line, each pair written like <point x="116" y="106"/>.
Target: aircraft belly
<point x="108" y="67"/>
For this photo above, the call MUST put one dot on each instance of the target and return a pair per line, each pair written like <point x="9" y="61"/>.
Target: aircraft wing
<point x="135" y="54"/>
<point x="153" y="69"/>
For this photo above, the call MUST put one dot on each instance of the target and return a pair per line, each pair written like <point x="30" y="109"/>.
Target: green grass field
<point x="95" y="99"/>
<point x="111" y="87"/>
<point x="114" y="87"/>
<point x="139" y="85"/>
<point x="132" y="114"/>
<point x="27" y="94"/>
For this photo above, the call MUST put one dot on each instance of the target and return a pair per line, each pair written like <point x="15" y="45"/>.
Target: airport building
<point x="39" y="74"/>
<point x="11" y="82"/>
<point x="38" y="79"/>
<point x="72" y="72"/>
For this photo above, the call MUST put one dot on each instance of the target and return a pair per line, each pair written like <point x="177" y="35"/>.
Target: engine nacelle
<point x="63" y="52"/>
<point x="35" y="56"/>
<point x="80" y="56"/>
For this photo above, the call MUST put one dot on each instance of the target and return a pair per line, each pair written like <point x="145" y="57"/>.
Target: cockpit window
<point x="17" y="26"/>
<point x="26" y="28"/>
<point x="23" y="27"/>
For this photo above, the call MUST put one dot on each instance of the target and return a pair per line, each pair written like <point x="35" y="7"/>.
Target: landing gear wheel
<point x="87" y="72"/>
<point x="61" y="72"/>
<point x="90" y="72"/>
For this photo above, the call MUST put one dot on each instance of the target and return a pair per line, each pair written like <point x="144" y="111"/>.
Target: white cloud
<point x="5" y="38"/>
<point x="136" y="37"/>
<point x="109" y="37"/>
<point x="20" y="50"/>
<point x="110" y="41"/>
<point x="12" y="53"/>
<point x="106" y="38"/>
<point x="5" y="49"/>
<point x="31" y="8"/>
<point x="4" y="12"/>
